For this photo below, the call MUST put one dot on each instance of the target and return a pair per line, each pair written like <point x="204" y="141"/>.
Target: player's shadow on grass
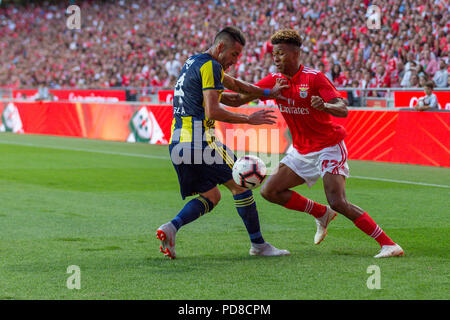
<point x="212" y="259"/>
<point x="237" y="257"/>
<point x="349" y="252"/>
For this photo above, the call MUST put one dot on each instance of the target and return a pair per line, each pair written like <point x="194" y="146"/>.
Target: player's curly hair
<point x="289" y="36"/>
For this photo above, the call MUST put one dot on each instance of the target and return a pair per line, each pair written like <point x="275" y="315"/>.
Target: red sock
<point x="300" y="203"/>
<point x="366" y="224"/>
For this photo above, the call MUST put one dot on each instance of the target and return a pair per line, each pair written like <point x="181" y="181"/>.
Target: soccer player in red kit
<point x="319" y="148"/>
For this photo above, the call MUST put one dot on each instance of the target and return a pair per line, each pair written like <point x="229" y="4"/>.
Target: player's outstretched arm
<point x="237" y="99"/>
<point x="246" y="88"/>
<point x="336" y="107"/>
<point x="234" y="99"/>
<point x="214" y="111"/>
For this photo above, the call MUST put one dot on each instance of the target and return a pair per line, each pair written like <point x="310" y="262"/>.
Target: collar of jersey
<point x="300" y="70"/>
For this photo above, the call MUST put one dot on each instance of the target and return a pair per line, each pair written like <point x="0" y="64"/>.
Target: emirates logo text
<point x="294" y="110"/>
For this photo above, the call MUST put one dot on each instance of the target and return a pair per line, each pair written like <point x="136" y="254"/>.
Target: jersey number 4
<point x="179" y="86"/>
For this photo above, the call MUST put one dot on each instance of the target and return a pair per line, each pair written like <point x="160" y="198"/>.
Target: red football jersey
<point x="311" y="129"/>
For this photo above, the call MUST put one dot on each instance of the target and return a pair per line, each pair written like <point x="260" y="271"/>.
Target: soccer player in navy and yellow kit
<point x="200" y="160"/>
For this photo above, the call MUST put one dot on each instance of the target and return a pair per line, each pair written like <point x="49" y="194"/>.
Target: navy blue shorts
<point x="201" y="169"/>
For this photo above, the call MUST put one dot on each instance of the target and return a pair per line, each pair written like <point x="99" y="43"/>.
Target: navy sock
<point x="192" y="210"/>
<point x="246" y="207"/>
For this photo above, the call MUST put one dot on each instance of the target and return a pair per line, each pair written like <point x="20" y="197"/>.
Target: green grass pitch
<point x="97" y="204"/>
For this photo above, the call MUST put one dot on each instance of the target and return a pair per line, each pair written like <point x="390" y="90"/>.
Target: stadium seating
<point x="143" y="43"/>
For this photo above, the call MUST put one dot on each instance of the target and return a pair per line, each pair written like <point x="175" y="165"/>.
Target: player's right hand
<point x="280" y="85"/>
<point x="262" y="117"/>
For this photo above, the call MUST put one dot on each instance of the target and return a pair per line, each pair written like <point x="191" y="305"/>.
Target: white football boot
<point x="266" y="249"/>
<point x="322" y="224"/>
<point x="390" y="251"/>
<point x="166" y="233"/>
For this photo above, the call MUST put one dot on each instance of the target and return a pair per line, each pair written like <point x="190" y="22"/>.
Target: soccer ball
<point x="249" y="171"/>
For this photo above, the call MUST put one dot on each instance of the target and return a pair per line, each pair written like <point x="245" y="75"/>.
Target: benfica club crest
<point x="303" y="90"/>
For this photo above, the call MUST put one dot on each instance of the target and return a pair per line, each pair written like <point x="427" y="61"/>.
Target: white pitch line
<point x="402" y="181"/>
<point x="167" y="158"/>
<point x="86" y="150"/>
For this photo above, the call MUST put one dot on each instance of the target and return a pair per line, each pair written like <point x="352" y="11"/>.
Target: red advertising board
<point x="413" y="137"/>
<point x="405" y="99"/>
<point x="73" y="95"/>
<point x="165" y="96"/>
<point x="120" y="122"/>
<point x="376" y="103"/>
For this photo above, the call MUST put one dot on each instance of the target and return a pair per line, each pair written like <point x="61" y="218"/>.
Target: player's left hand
<point x="318" y="103"/>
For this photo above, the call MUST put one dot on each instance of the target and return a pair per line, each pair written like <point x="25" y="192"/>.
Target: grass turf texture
<point x="97" y="204"/>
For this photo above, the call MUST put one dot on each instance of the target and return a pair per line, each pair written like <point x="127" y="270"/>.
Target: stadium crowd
<point x="144" y="43"/>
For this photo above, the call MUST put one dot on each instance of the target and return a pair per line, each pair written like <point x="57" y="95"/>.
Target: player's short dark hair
<point x="230" y="34"/>
<point x="288" y="36"/>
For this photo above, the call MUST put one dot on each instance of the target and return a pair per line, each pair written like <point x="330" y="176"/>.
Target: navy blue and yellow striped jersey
<point x="200" y="72"/>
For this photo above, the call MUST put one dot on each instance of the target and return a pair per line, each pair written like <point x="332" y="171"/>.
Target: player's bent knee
<point x="264" y="193"/>
<point x="215" y="200"/>
<point x="208" y="204"/>
<point x="238" y="190"/>
<point x="338" y="204"/>
<point x="268" y="193"/>
<point x="213" y="196"/>
<point x="234" y="187"/>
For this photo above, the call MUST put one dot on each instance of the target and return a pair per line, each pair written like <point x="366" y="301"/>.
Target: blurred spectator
<point x="412" y="70"/>
<point x="321" y="68"/>
<point x="173" y="66"/>
<point x="422" y="80"/>
<point x="367" y="81"/>
<point x="337" y="76"/>
<point x="441" y="76"/>
<point x="354" y="96"/>
<point x="414" y="82"/>
<point x="43" y="93"/>
<point x="397" y="74"/>
<point x="410" y="61"/>
<point x="430" y="63"/>
<point x="382" y="77"/>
